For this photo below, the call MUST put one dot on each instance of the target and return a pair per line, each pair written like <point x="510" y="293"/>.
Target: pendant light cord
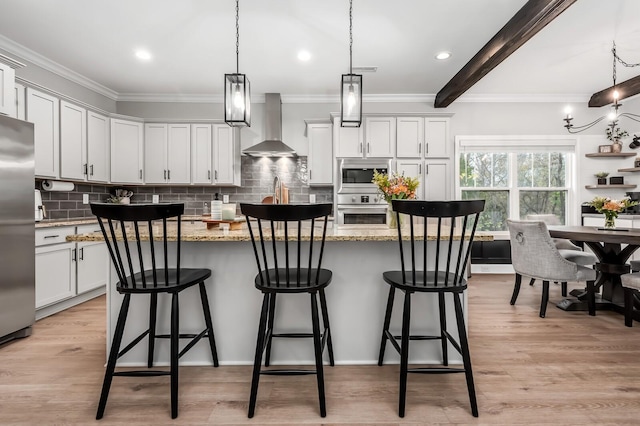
<point x="350" y="36"/>
<point x="617" y="58"/>
<point x="237" y="36"/>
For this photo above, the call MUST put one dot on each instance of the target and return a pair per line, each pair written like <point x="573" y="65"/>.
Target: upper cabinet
<point x="226" y="155"/>
<point x="423" y="137"/>
<point x="73" y="141"/>
<point x="167" y="153"/>
<point x="7" y="89"/>
<point x="43" y="111"/>
<point x="380" y="137"/>
<point x="201" y="154"/>
<point x="126" y="151"/>
<point x="348" y="141"/>
<point x="97" y="147"/>
<point x="320" y="159"/>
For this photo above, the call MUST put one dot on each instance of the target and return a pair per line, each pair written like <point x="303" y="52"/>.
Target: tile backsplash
<point x="257" y="177"/>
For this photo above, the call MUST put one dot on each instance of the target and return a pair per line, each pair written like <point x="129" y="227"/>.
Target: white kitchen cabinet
<point x="20" y="102"/>
<point x="92" y="266"/>
<point x="7" y="90"/>
<point x="434" y="177"/>
<point x="226" y="155"/>
<point x="43" y="111"/>
<point x="380" y="137"/>
<point x="320" y="159"/>
<point x="126" y="151"/>
<point x="348" y="141"/>
<point x="167" y="153"/>
<point x="436" y="135"/>
<point x="98" y="147"/>
<point x="73" y="142"/>
<point x="423" y="137"/>
<point x="201" y="154"/>
<point x="55" y="273"/>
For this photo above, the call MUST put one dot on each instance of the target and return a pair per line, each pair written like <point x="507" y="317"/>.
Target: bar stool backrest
<point x="455" y="222"/>
<point x="282" y="244"/>
<point x="134" y="220"/>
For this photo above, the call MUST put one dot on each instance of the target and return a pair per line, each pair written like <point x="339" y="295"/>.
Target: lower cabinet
<point x="68" y="273"/>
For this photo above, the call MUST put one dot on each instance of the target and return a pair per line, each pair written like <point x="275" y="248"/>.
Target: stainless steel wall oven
<point x="357" y="200"/>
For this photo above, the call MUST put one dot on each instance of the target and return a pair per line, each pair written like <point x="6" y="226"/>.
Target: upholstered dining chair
<point x="631" y="285"/>
<point x="534" y="254"/>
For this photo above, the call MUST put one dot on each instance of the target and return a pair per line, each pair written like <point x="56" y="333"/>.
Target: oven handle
<point x="362" y="210"/>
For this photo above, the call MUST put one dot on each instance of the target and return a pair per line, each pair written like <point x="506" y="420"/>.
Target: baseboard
<point x="67" y="303"/>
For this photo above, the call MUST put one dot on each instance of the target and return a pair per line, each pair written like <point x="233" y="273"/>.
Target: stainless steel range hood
<point x="272" y="146"/>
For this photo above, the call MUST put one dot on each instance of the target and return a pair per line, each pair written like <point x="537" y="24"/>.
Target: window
<point x="522" y="178"/>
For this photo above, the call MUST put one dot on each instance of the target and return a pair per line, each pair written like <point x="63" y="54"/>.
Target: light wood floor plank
<point x="567" y="368"/>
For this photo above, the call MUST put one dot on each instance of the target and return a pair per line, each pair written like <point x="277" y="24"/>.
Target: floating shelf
<point x="612" y="154"/>
<point x="610" y="186"/>
<point x="632" y="169"/>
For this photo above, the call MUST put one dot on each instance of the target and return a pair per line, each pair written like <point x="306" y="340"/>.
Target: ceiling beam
<point x="526" y="23"/>
<point x="626" y="89"/>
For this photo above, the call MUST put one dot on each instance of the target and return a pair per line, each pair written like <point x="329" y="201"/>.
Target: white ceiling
<point x="193" y="44"/>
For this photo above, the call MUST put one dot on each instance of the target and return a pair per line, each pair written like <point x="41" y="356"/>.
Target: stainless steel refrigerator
<point x="17" y="229"/>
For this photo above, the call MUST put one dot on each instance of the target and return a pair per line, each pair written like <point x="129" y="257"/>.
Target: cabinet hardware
<point x="165" y="175"/>
<point x="426" y="148"/>
<point x="309" y="173"/>
<point x="74" y="255"/>
<point x="91" y="170"/>
<point x="51" y="236"/>
<point x="140" y="173"/>
<point x="209" y="174"/>
<point x="368" y="148"/>
<point x="82" y="253"/>
<point x="419" y="169"/>
<point x="426" y="169"/>
<point x="360" y="147"/>
<point x="419" y="147"/>
<point x="215" y="176"/>
<point x="84" y="168"/>
<point x="168" y="174"/>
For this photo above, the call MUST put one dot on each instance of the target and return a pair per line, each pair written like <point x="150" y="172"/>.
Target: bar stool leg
<point x="466" y="357"/>
<point x="443" y="326"/>
<point x="385" y="326"/>
<point x="153" y="308"/>
<point x="317" y="344"/>
<point x="404" y="352"/>
<point x="516" y="288"/>
<point x="257" y="362"/>
<point x="272" y="313"/>
<point x="113" y="355"/>
<point x="207" y="319"/>
<point x="327" y="328"/>
<point x="175" y="333"/>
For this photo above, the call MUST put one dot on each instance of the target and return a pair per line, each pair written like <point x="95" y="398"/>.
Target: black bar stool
<point x="450" y="258"/>
<point x="287" y="263"/>
<point x="163" y="276"/>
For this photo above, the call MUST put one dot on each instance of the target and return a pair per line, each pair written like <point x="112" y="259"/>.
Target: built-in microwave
<point x="355" y="175"/>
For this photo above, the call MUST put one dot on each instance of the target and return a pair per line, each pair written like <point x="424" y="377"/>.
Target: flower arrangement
<point x="394" y="186"/>
<point x="610" y="208"/>
<point x="615" y="133"/>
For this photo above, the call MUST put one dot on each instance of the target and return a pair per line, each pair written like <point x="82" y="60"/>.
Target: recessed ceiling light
<point x="443" y="55"/>
<point x="143" y="55"/>
<point x="304" y="55"/>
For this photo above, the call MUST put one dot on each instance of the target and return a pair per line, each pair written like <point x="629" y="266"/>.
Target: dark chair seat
<point x="443" y="283"/>
<point x="273" y="283"/>
<point x="188" y="277"/>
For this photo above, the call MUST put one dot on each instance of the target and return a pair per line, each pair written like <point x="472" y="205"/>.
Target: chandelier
<point x="237" y="89"/>
<point x="351" y="87"/>
<point x="613" y="115"/>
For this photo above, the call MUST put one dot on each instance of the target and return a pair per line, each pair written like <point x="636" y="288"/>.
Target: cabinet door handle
<point x="168" y="174"/>
<point x="209" y="174"/>
<point x="215" y="176"/>
<point x="360" y="147"/>
<point x="419" y="169"/>
<point x="140" y="173"/>
<point x="74" y="255"/>
<point x="84" y="167"/>
<point x="426" y="148"/>
<point x="419" y="147"/>
<point x="426" y="169"/>
<point x="368" y="148"/>
<point x="82" y="253"/>
<point x="51" y="236"/>
<point x="91" y="170"/>
<point x="165" y="175"/>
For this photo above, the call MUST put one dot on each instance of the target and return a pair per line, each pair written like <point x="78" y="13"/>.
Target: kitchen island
<point x="356" y="299"/>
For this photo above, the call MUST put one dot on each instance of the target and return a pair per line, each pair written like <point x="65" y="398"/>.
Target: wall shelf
<point x="611" y="154"/>
<point x="632" y="169"/>
<point x="610" y="186"/>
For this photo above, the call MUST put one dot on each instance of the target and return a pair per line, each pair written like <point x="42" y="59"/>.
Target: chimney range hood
<point x="272" y="146"/>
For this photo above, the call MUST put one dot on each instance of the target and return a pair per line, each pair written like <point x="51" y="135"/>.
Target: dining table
<point x="613" y="247"/>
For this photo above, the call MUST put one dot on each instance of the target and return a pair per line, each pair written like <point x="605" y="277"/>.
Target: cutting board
<point x="234" y="224"/>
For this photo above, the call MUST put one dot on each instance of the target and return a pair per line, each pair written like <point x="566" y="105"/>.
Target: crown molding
<point x="43" y="62"/>
<point x="11" y="62"/>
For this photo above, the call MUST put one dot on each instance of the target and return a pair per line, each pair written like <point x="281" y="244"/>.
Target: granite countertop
<point x="54" y="223"/>
<point x="194" y="231"/>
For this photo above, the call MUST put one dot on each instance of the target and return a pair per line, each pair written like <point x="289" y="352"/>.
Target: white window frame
<point x="521" y="144"/>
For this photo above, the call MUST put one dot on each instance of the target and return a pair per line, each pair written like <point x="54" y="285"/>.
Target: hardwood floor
<point x="567" y="368"/>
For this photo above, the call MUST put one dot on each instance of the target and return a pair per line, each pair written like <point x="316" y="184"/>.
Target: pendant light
<point x="351" y="87"/>
<point x="237" y="89"/>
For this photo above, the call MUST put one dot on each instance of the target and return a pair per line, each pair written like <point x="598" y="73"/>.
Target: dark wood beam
<point x="526" y="23"/>
<point x="625" y="89"/>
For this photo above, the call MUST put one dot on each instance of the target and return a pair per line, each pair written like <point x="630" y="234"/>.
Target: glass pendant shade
<point x="237" y="100"/>
<point x="351" y="100"/>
